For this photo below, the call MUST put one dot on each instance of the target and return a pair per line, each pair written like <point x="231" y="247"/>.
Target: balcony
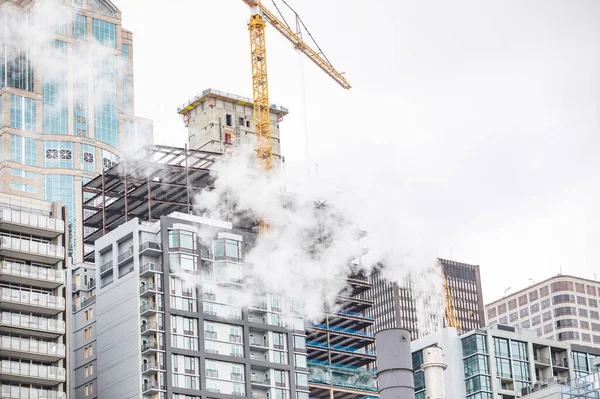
<point x="150" y="248"/>
<point x="210" y="334"/>
<point x="147" y="290"/>
<point x="105" y="268"/>
<point x="149" y="308"/>
<point x="259" y="344"/>
<point x="31" y="349"/>
<point x="209" y="296"/>
<point x="213" y="390"/>
<point x="31" y="325"/>
<point x="30" y="250"/>
<point x="211" y="373"/>
<point x="541" y="360"/>
<point x="17" y="392"/>
<point x="342" y="376"/>
<point x="19" y="273"/>
<point x="150" y="347"/>
<point x="28" y="223"/>
<point x="152" y="387"/>
<point x="150" y="328"/>
<point x="235" y="338"/>
<point x="27" y="301"/>
<point x="31" y="373"/>
<point x="125" y="257"/>
<point x="85" y="302"/>
<point x="256" y="380"/>
<point x="150" y="268"/>
<point x="237" y="377"/>
<point x="152" y="367"/>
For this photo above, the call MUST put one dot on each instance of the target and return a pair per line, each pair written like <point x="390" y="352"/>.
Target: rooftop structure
<point x="218" y="121"/>
<point x="563" y="308"/>
<point x="502" y="362"/>
<point x="33" y="346"/>
<point x="66" y="109"/>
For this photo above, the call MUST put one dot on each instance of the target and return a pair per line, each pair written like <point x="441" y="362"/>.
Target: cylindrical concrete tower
<point x="433" y="367"/>
<point x="395" y="375"/>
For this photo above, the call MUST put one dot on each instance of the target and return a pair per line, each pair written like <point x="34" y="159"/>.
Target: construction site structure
<point x="219" y="121"/>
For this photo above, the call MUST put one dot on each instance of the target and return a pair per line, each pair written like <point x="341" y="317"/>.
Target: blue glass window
<point x="59" y="154"/>
<point x="54" y="91"/>
<point x="127" y="108"/>
<point x="23" y="150"/>
<point x="19" y="69"/>
<point x="23" y="113"/>
<point x="61" y="21"/>
<point x="105" y="32"/>
<point x="23" y="173"/>
<point x="62" y="188"/>
<point x="108" y="159"/>
<point x="16" y="112"/>
<point x="23" y="187"/>
<point x="88" y="157"/>
<point x="126" y="56"/>
<point x="79" y="26"/>
<point x="106" y="111"/>
<point x="80" y="103"/>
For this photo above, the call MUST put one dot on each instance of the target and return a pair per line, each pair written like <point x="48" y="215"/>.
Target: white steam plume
<point x="313" y="243"/>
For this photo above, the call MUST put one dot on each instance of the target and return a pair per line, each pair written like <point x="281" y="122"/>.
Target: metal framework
<point x="156" y="181"/>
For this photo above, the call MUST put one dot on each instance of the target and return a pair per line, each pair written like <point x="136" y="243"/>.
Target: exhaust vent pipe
<point x="395" y="377"/>
<point x="433" y="367"/>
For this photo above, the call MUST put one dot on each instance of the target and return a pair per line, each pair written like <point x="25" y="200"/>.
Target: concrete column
<point x="395" y="377"/>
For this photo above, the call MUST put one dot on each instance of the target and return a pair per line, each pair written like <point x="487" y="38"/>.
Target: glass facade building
<point x="66" y="101"/>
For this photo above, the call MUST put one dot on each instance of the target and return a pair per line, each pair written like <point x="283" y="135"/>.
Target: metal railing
<point x="150" y="306"/>
<point x="154" y="385"/>
<point x="32" y="370"/>
<point x="125" y="255"/>
<point x="35" y="247"/>
<point x="152" y="366"/>
<point x="237" y="377"/>
<point x="210" y="334"/>
<point x="543" y="360"/>
<point x="149" y="287"/>
<point x="17" y="392"/>
<point x="107" y="266"/>
<point x="152" y="267"/>
<point x="264" y="381"/>
<point x="151" y="326"/>
<point x="150" y="346"/>
<point x="32" y="298"/>
<point x="32" y="322"/>
<point x="354" y="314"/>
<point x="32" y="346"/>
<point x="211" y="373"/>
<point x="235" y="338"/>
<point x="236" y="354"/>
<point x="29" y="219"/>
<point x="258" y="342"/>
<point x="35" y="272"/>
<point x="361" y="351"/>
<point x="149" y="245"/>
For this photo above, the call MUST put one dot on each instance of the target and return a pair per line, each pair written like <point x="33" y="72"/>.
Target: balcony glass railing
<point x="150" y="267"/>
<point x="33" y="322"/>
<point x="32" y="346"/>
<point x="342" y="330"/>
<point x="107" y="266"/>
<point x="17" y="392"/>
<point x="152" y="366"/>
<point x="149" y="245"/>
<point x="34" y="272"/>
<point x="154" y="385"/>
<point x="151" y="326"/>
<point x="347" y="377"/>
<point x="29" y="219"/>
<point x="32" y="370"/>
<point x="34" y="247"/>
<point x="32" y="298"/>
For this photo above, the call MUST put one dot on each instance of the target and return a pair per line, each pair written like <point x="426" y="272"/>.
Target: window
<point x="79" y="26"/>
<point x="594" y="315"/>
<point x="545" y="303"/>
<point x="88" y="370"/>
<point x="501" y="347"/>
<point x="565" y="310"/>
<point x="182" y="241"/>
<point x="229" y="249"/>
<point x="228" y="120"/>
<point x="524" y="313"/>
<point x="502" y="308"/>
<point x="276" y="303"/>
<point x="87" y="315"/>
<point x="512" y="304"/>
<point x="566" y="323"/>
<point x="568" y="335"/>
<point x="478" y="383"/>
<point x="513" y="317"/>
<point x="104" y="32"/>
<point x="592" y="303"/>
<point x="58" y="154"/>
<point x="87" y="352"/>
<point x="583" y="312"/>
<point x="87" y="333"/>
<point x="533" y="295"/>
<point x="183" y="262"/>
<point x="548" y="328"/>
<point x="536" y="320"/>
<point x="88" y="389"/>
<point x="503" y="367"/>
<point x="534" y="308"/>
<point x="23" y="111"/>
<point x="503" y="320"/>
<point x="521" y="371"/>
<point x="299" y="342"/>
<point x="301" y="380"/>
<point x="23" y="150"/>
<point x="585" y="325"/>
<point x="475" y="343"/>
<point x="564" y="298"/>
<point x="547" y="316"/>
<point x="477" y="364"/>
<point x="54" y="91"/>
<point x="300" y="360"/>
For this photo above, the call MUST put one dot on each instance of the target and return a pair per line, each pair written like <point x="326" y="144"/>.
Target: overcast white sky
<point x="479" y="119"/>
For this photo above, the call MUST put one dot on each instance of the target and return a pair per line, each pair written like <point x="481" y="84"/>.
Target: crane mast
<point x="450" y="313"/>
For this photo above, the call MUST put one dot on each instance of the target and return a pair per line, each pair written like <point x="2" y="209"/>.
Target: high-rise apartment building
<point x="32" y="298"/>
<point x="502" y="362"/>
<point x="395" y="305"/>
<point x="217" y="121"/>
<point x="563" y="308"/>
<point x="66" y="100"/>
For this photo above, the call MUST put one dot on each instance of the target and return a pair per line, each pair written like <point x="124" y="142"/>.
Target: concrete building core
<point x="563" y="308"/>
<point x="218" y="121"/>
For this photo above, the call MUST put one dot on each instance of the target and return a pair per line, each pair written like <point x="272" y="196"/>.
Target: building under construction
<point x="162" y="181"/>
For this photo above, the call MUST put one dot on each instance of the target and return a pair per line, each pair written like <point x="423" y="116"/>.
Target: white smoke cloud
<point x="314" y="241"/>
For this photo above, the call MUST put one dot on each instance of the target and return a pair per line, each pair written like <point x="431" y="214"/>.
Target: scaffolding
<point x="156" y="181"/>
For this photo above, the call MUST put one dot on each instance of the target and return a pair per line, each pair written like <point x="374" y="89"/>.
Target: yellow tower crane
<point x="260" y="16"/>
<point x="450" y="314"/>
